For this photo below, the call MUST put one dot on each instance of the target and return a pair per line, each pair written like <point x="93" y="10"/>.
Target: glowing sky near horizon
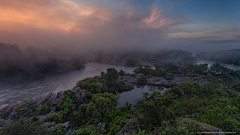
<point x="188" y="24"/>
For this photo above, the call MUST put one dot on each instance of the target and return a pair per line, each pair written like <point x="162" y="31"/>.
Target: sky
<point x="78" y="25"/>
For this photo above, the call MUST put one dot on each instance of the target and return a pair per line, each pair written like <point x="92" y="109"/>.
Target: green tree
<point x="100" y="103"/>
<point x="153" y="112"/>
<point x="111" y="77"/>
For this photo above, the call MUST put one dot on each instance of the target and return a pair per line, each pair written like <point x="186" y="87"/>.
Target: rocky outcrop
<point x="9" y="109"/>
<point x="128" y="79"/>
<point x="3" y="121"/>
<point x="101" y="126"/>
<point x="42" y="118"/>
<point x="163" y="81"/>
<point x="52" y="98"/>
<point x="3" y="107"/>
<point x="157" y="81"/>
<point x="84" y="104"/>
<point x="204" y="126"/>
<point x="178" y="80"/>
<point x="130" y="126"/>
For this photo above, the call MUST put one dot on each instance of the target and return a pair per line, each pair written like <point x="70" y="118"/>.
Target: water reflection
<point x="133" y="95"/>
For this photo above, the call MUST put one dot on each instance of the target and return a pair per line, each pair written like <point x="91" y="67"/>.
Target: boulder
<point x="77" y="89"/>
<point x="86" y="105"/>
<point x="9" y="109"/>
<point x="3" y="121"/>
<point x="3" y="107"/>
<point x="57" y="101"/>
<point x="18" y="103"/>
<point x="46" y="125"/>
<point x="83" y="97"/>
<point x="59" y="124"/>
<point x="13" y="113"/>
<point x="42" y="118"/>
<point x="44" y="98"/>
<point x="66" y="125"/>
<point x="139" y="75"/>
<point x="53" y="109"/>
<point x="129" y="79"/>
<point x="73" y="107"/>
<point x="52" y="98"/>
<point x="103" y="126"/>
<point x="60" y="93"/>
<point x="130" y="126"/>
<point x="95" y="120"/>
<point x="204" y="126"/>
<point x="99" y="125"/>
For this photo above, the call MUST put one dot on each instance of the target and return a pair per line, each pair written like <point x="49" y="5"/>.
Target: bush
<point x="4" y="115"/>
<point x="23" y="128"/>
<point x="117" y="124"/>
<point x="57" y="130"/>
<point x="20" y="110"/>
<point x="58" y="117"/>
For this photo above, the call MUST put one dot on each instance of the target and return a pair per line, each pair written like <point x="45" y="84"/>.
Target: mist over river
<point x="9" y="94"/>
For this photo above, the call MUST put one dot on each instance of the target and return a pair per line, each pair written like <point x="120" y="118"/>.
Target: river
<point x="9" y="94"/>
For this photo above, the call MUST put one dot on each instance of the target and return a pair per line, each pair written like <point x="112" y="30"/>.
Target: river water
<point x="11" y="93"/>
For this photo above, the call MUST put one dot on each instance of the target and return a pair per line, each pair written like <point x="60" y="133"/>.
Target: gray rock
<point x="53" y="109"/>
<point x="83" y="97"/>
<point x="130" y="126"/>
<point x="3" y="121"/>
<point x="139" y="75"/>
<point x="66" y="125"/>
<point x="59" y="124"/>
<point x="77" y="89"/>
<point x="13" y="113"/>
<point x="57" y="101"/>
<point x="60" y="93"/>
<point x="42" y="118"/>
<point x="44" y="98"/>
<point x="46" y="125"/>
<point x="18" y="103"/>
<point x="3" y="107"/>
<point x="54" y="123"/>
<point x="206" y="127"/>
<point x="9" y="109"/>
<point x="103" y="126"/>
<point x="95" y="120"/>
<point x="99" y="125"/>
<point x="128" y="79"/>
<point x="84" y="105"/>
<point x="73" y="107"/>
<point x="52" y="98"/>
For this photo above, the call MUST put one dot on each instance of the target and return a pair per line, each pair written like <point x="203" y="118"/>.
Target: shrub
<point x="23" y="128"/>
<point x="4" y="115"/>
<point x="57" y="130"/>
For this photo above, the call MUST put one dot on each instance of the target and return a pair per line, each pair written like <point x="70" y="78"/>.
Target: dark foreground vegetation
<point x="91" y="107"/>
<point x="34" y="62"/>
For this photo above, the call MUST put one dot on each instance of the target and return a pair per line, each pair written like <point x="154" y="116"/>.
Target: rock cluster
<point x="39" y="100"/>
<point x="162" y="81"/>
